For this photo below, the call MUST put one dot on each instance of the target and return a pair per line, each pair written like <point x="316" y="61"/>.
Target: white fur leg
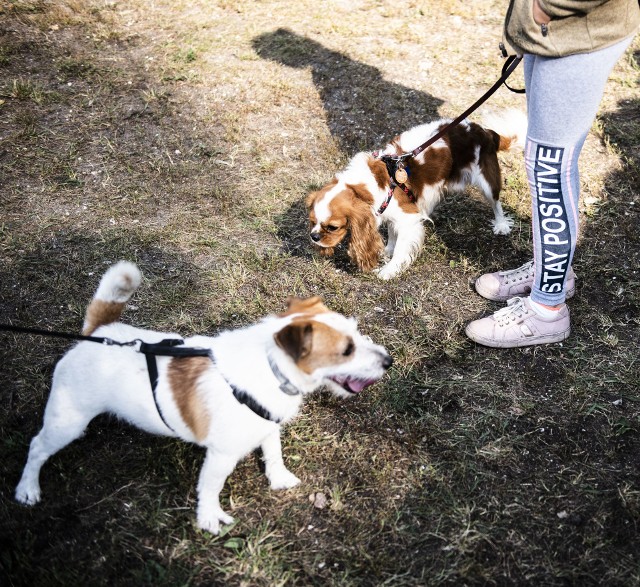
<point x="215" y="470"/>
<point x="279" y="476"/>
<point x="391" y="241"/>
<point x="282" y="478"/>
<point x="56" y="433"/>
<point x="388" y="271"/>
<point x="28" y="490"/>
<point x="408" y="244"/>
<point x="502" y="223"/>
<point x="210" y="518"/>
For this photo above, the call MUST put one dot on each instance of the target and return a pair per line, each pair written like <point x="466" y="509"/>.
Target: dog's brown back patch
<point x="183" y="374"/>
<point x="379" y="172"/>
<point x="100" y="313"/>
<point x="436" y="167"/>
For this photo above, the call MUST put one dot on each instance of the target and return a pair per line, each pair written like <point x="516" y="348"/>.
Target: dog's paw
<point x="210" y="521"/>
<point x="27" y="495"/>
<point x="386" y="272"/>
<point x="283" y="479"/>
<point x="502" y="225"/>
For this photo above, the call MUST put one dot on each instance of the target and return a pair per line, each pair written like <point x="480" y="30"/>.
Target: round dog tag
<point x="401" y="175"/>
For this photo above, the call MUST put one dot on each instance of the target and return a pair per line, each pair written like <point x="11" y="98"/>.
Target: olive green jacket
<point x="577" y="26"/>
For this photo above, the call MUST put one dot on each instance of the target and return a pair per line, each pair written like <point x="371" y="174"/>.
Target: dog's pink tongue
<point x="357" y="385"/>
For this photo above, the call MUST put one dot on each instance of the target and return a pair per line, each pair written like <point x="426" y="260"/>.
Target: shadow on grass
<point x="363" y="110"/>
<point x="608" y="255"/>
<point x="543" y="451"/>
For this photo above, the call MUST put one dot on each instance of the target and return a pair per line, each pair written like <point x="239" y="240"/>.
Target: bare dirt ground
<point x="184" y="136"/>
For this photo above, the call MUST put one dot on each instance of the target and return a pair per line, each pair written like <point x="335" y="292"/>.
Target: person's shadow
<point x="364" y="111"/>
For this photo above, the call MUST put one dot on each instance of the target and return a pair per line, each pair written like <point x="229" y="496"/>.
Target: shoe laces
<point x="514" y="310"/>
<point x="519" y="274"/>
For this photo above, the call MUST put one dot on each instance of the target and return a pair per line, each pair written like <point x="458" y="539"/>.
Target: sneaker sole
<point x="496" y="298"/>
<point x="521" y="342"/>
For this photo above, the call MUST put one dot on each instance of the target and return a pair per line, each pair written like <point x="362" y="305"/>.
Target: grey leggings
<point x="563" y="95"/>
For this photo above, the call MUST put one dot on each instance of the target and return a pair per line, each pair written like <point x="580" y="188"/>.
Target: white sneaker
<point x="519" y="325"/>
<point x="503" y="285"/>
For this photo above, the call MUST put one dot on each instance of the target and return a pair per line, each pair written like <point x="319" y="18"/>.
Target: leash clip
<point x="110" y="342"/>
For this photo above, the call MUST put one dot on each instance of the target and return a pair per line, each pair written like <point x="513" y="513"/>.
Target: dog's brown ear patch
<point x="183" y="374"/>
<point x="312" y="305"/>
<point x="295" y="339"/>
<point x="313" y="345"/>
<point x="361" y="192"/>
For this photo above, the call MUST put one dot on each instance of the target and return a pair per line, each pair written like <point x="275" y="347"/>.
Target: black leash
<point x="169" y="347"/>
<point x="396" y="167"/>
<point x="68" y="336"/>
<point x="507" y="69"/>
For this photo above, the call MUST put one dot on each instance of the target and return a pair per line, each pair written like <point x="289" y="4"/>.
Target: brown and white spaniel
<point x="354" y="201"/>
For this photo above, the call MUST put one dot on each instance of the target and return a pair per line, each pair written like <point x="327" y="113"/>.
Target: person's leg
<point x="563" y="95"/>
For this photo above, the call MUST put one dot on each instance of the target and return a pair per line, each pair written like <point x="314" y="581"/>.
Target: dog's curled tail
<point x="116" y="287"/>
<point x="510" y="125"/>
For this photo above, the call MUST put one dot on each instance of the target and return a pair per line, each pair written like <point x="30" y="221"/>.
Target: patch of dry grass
<point x="184" y="136"/>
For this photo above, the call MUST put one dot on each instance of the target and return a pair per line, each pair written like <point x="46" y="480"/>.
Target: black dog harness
<point x="170" y="347"/>
<point x="398" y="174"/>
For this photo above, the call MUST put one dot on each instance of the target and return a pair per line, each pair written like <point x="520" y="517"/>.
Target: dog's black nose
<point x="387" y="361"/>
<point x="315" y="236"/>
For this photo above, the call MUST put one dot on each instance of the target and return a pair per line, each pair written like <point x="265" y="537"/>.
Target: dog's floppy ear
<point x="365" y="245"/>
<point x="311" y="305"/>
<point x="295" y="339"/>
<point x="312" y="197"/>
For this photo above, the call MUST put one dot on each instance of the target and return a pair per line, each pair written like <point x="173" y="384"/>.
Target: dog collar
<point x="398" y="173"/>
<point x="285" y="385"/>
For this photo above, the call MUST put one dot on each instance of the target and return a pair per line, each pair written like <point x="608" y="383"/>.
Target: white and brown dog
<point x="231" y="402"/>
<point x="353" y="202"/>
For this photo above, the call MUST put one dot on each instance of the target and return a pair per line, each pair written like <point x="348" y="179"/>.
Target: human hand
<point x="539" y="15"/>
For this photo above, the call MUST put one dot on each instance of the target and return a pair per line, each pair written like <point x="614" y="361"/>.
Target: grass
<point x="184" y="136"/>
